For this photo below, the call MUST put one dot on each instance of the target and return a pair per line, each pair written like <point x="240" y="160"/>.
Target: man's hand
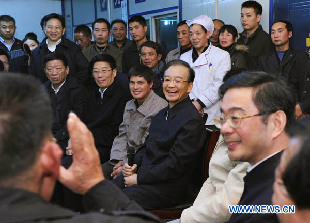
<point x="129" y="170"/>
<point x="85" y="171"/>
<point x="117" y="169"/>
<point x="199" y="108"/>
<point x="131" y="180"/>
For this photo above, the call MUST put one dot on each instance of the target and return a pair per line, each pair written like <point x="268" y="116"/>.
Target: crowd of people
<point x="135" y="136"/>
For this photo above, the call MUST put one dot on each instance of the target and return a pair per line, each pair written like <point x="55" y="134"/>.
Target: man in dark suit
<point x="281" y="60"/>
<point x="257" y="109"/>
<point x="166" y="164"/>
<point x="30" y="163"/>
<point x="54" y="28"/>
<point x="66" y="95"/>
<point x="106" y="100"/>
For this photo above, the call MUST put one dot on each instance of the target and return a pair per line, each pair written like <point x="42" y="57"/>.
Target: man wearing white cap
<point x="210" y="64"/>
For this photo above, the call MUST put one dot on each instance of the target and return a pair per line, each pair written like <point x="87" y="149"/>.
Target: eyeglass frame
<point x="173" y="81"/>
<point x="101" y="71"/>
<point x="218" y="124"/>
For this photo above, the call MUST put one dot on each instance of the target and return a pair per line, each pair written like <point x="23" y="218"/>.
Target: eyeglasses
<point x="177" y="81"/>
<point x="96" y="72"/>
<point x="233" y="120"/>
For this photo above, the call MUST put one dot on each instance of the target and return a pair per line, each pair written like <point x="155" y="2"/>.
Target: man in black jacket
<point x="8" y="42"/>
<point x="281" y="60"/>
<point x="30" y="163"/>
<point x="66" y="95"/>
<point x="257" y="110"/>
<point x="105" y="103"/>
<point x="54" y="29"/>
<point x="254" y="36"/>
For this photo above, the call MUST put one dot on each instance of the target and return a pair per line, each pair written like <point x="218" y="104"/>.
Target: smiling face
<point x="199" y="37"/>
<point x="139" y="88"/>
<point x="149" y="57"/>
<point x="54" y="30"/>
<point x="249" y="19"/>
<point x="249" y="142"/>
<point x="183" y="35"/>
<point x="119" y="31"/>
<point x="101" y="34"/>
<point x="215" y="35"/>
<point x="280" y="36"/>
<point x="56" y="72"/>
<point x="103" y="74"/>
<point x="226" y="39"/>
<point x="176" y="92"/>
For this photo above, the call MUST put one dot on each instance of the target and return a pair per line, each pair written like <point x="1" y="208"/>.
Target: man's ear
<point x="279" y="123"/>
<point x="49" y="157"/>
<point x="258" y="18"/>
<point x="63" y="32"/>
<point x="159" y="56"/>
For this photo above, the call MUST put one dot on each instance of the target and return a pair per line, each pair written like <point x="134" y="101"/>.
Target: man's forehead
<point x="237" y="99"/>
<point x="177" y="71"/>
<point x="7" y="23"/>
<point x="183" y="27"/>
<point x="147" y="49"/>
<point x="119" y="24"/>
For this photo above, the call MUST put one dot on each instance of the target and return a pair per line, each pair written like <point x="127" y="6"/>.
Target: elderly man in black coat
<point x="66" y="95"/>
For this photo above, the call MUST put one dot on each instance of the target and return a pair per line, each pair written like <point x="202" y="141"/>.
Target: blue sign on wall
<point x="117" y="3"/>
<point x="103" y="5"/>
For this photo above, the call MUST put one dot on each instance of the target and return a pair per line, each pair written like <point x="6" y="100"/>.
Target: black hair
<point x="119" y="21"/>
<point x="232" y="73"/>
<point x="231" y="29"/>
<point x="253" y="4"/>
<point x="25" y="122"/>
<point x="83" y="29"/>
<point x="104" y="58"/>
<point x="56" y="56"/>
<point x="142" y="71"/>
<point x="45" y="19"/>
<point x="4" y="53"/>
<point x="288" y="25"/>
<point x="29" y="36"/>
<point x="191" y="72"/>
<point x="7" y="18"/>
<point x="181" y="23"/>
<point x="270" y="93"/>
<point x="139" y="19"/>
<point x="101" y="20"/>
<point x="151" y="44"/>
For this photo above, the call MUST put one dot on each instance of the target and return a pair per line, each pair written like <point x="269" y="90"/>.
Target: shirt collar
<point x="9" y="46"/>
<point x="52" y="48"/>
<point x="58" y="89"/>
<point x="102" y="92"/>
<point x="250" y="168"/>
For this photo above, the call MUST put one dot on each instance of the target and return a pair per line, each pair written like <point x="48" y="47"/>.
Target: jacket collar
<point x="145" y="107"/>
<point x="172" y="112"/>
<point x="14" y="207"/>
<point x="253" y="35"/>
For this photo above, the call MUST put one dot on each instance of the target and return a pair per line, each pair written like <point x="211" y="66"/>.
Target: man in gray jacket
<point x="137" y="118"/>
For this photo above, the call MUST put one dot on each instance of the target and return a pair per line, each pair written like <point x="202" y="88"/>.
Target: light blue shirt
<point x="7" y="45"/>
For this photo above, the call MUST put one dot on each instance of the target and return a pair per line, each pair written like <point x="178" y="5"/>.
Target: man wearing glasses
<point x="257" y="109"/>
<point x="166" y="165"/>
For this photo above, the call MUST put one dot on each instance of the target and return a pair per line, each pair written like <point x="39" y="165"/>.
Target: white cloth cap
<point x="203" y="20"/>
